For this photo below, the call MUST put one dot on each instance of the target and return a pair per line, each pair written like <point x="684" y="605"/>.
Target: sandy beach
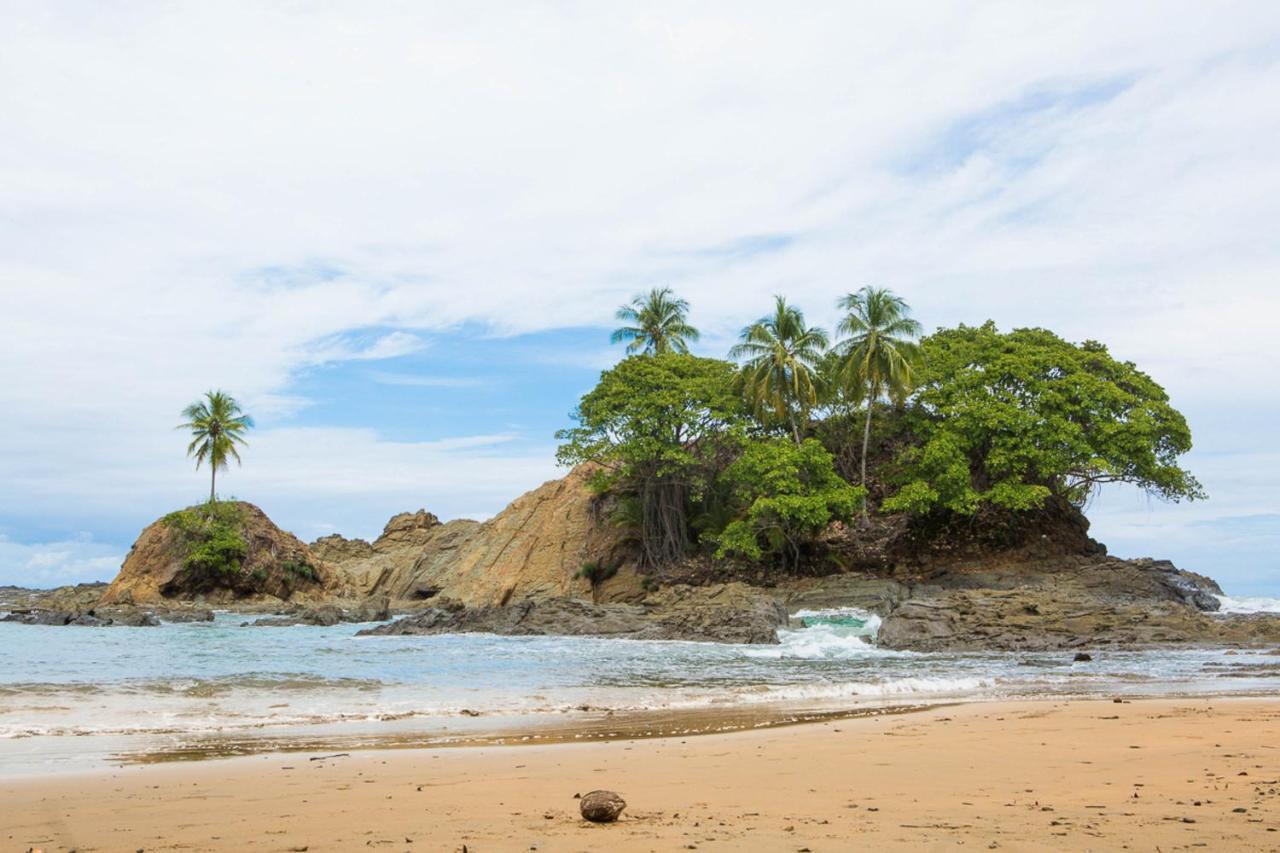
<point x="1168" y="774"/>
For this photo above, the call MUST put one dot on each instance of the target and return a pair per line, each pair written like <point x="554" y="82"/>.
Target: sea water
<point x="71" y="695"/>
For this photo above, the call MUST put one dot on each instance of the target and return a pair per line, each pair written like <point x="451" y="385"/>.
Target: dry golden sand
<point x="1066" y="775"/>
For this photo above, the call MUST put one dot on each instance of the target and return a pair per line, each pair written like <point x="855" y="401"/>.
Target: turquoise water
<point x="92" y="687"/>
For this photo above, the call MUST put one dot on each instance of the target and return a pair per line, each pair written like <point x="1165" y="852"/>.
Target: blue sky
<point x="399" y="235"/>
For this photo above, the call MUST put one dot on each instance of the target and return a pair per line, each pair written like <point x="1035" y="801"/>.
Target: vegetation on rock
<point x="1010" y="419"/>
<point x="784" y="496"/>
<point x="660" y="427"/>
<point x="211" y="538"/>
<point x="973" y="422"/>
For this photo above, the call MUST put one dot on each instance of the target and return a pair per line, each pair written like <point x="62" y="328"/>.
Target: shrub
<point x="211" y="537"/>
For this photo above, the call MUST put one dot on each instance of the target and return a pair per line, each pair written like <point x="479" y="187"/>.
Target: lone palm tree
<point x="879" y="356"/>
<point x="782" y="361"/>
<point x="658" y="323"/>
<point x="217" y="425"/>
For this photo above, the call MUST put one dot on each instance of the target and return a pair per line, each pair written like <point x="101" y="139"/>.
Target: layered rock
<point x="1031" y="620"/>
<point x="1062" y="603"/>
<point x="533" y="550"/>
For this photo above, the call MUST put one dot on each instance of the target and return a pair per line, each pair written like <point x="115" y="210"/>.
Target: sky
<point x="397" y="232"/>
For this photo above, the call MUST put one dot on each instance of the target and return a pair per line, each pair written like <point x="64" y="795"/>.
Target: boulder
<point x="601" y="806"/>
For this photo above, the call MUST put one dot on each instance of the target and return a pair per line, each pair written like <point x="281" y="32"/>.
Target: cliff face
<point x="532" y="550"/>
<point x="170" y="561"/>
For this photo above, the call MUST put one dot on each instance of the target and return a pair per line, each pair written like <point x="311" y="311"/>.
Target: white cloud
<point x="222" y="195"/>
<point x="57" y="563"/>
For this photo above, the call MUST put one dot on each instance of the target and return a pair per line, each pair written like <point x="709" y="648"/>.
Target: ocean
<point x="73" y="698"/>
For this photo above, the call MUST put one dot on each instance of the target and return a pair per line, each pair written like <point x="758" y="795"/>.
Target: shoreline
<point x="489" y="730"/>
<point x="1026" y="774"/>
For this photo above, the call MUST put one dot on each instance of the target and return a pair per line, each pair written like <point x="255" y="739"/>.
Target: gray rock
<point x="601" y="806"/>
<point x="729" y="613"/>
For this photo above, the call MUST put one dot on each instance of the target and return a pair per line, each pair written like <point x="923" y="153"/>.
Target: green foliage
<point x="786" y="495"/>
<point x="781" y="372"/>
<point x="596" y="572"/>
<point x="211" y="537"/>
<point x="660" y="427"/>
<point x="658" y="324"/>
<point x="1010" y="419"/>
<point x="878" y="357"/>
<point x="217" y="426"/>
<point x="300" y="569"/>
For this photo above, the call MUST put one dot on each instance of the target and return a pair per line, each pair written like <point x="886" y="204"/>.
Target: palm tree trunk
<point x="866" y="440"/>
<point x="213" y="482"/>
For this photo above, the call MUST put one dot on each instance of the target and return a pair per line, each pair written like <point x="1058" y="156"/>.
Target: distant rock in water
<point x="230" y="553"/>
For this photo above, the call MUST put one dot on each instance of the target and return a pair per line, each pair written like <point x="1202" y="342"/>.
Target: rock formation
<point x="731" y="613"/>
<point x="274" y="565"/>
<point x="532" y="550"/>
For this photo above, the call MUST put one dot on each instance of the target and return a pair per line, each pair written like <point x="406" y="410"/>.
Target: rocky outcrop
<point x="1064" y="603"/>
<point x="1031" y="620"/>
<point x="376" y="609"/>
<point x="732" y="613"/>
<point x="108" y="616"/>
<point x="532" y="550"/>
<point x="273" y="564"/>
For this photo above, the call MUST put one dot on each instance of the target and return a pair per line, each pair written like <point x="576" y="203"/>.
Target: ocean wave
<point x="826" y="634"/>
<point x="1248" y="604"/>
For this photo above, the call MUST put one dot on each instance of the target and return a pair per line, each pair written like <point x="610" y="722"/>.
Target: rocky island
<point x="1045" y="586"/>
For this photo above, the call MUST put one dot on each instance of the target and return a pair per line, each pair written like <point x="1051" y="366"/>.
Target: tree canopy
<point x="1013" y="418"/>
<point x="656" y="425"/>
<point x="781" y="358"/>
<point x="217" y="426"/>
<point x="784" y="494"/>
<point x="658" y="324"/>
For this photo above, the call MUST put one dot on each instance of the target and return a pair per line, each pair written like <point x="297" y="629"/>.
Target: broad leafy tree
<point x="1014" y="418"/>
<point x="218" y="428"/>
<point x="781" y="360"/>
<point x="785" y="495"/>
<point x="877" y="358"/>
<point x="659" y="427"/>
<point x="657" y="323"/>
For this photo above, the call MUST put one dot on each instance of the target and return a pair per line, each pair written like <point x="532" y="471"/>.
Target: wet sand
<point x="1161" y="774"/>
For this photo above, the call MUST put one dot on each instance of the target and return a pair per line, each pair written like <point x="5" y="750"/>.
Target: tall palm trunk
<point x="213" y="482"/>
<point x="866" y="441"/>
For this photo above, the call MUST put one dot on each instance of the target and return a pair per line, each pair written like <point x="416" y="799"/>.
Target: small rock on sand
<point x="602" y="806"/>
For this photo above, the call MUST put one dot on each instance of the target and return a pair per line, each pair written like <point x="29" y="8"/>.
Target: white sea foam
<point x="827" y="634"/>
<point x="1248" y="604"/>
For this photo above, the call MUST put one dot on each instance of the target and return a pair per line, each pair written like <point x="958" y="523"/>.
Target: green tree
<point x="785" y="495"/>
<point x="217" y="426"/>
<point x="878" y="357"/>
<point x="658" y="324"/>
<point x="1011" y="419"/>
<point x="658" y="427"/>
<point x="780" y="374"/>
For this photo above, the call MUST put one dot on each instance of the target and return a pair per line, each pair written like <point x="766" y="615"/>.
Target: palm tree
<point x="217" y="425"/>
<point x="659" y="323"/>
<point x="879" y="357"/>
<point x="782" y="359"/>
